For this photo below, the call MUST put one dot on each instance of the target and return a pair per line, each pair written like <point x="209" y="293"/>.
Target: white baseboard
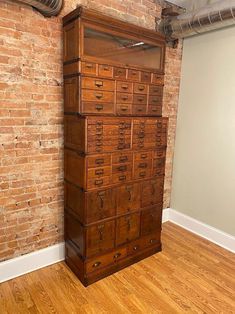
<point x="212" y="234"/>
<point x="29" y="262"/>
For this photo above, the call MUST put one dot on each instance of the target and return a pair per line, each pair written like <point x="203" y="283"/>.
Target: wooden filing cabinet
<point x="115" y="143"/>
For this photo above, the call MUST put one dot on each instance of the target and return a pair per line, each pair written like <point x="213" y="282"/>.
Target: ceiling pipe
<point x="46" y="7"/>
<point x="208" y="18"/>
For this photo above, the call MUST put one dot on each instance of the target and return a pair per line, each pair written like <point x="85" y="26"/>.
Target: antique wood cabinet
<point x="115" y="143"/>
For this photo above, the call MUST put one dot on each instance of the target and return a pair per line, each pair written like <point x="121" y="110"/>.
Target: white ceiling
<point x="192" y="4"/>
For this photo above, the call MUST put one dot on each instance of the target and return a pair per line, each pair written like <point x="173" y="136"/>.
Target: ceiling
<point x="192" y="4"/>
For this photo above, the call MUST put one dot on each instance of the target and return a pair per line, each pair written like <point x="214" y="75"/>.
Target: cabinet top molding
<point x="99" y="19"/>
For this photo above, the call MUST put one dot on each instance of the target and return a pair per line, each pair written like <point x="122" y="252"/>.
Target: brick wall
<point x="31" y="110"/>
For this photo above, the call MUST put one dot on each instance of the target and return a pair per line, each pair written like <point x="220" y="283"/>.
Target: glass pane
<point x="130" y="52"/>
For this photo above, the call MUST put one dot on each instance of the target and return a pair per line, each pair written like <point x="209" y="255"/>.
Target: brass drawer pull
<point x="99" y="172"/>
<point x="96" y="264"/>
<point x="124" y="86"/>
<point x="121" y="146"/>
<point x="140" y="109"/>
<point x="140" y="145"/>
<point x="133" y="73"/>
<point x="99" y="107"/>
<point x="99" y="96"/>
<point x="154" y="109"/>
<point x="122" y="178"/>
<point x="143" y="156"/>
<point x="142" y="174"/>
<point x="141" y="87"/>
<point x="89" y="65"/>
<point x="135" y="248"/>
<point x="99" y="143"/>
<point x="140" y="99"/>
<point x="123" y="158"/>
<point x="143" y="165"/>
<point x="122" y="168"/>
<point x="99" y="83"/>
<point x="117" y="255"/>
<point x="124" y="98"/>
<point x="106" y="68"/>
<point x="141" y="135"/>
<point x="99" y="161"/>
<point x="124" y="108"/>
<point x="152" y="241"/>
<point x="99" y="182"/>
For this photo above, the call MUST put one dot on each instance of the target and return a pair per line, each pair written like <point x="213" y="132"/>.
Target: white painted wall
<point x="204" y="163"/>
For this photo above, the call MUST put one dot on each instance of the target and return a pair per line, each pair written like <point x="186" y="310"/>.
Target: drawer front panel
<point x="143" y="155"/>
<point x="119" y="158"/>
<point x="124" y="98"/>
<point x="90" y="107"/>
<point x="155" y="100"/>
<point x="95" y="183"/>
<point x="159" y="166"/>
<point x="97" y="96"/>
<point x="98" y="84"/>
<point x="155" y="90"/>
<point x="105" y="70"/>
<point x="127" y="228"/>
<point x="119" y="73"/>
<point x="151" y="220"/>
<point x="121" y="177"/>
<point x="124" y="109"/>
<point x="98" y="160"/>
<point x="139" y="109"/>
<point x="152" y="192"/>
<point x="145" y="77"/>
<point x="139" y="99"/>
<point x="157" y="79"/>
<point x="155" y="110"/>
<point x="89" y="68"/>
<point x="100" y="205"/>
<point x="128" y="198"/>
<point x="133" y="75"/>
<point x="100" y="238"/>
<point x="140" y="88"/>
<point x="124" y="87"/>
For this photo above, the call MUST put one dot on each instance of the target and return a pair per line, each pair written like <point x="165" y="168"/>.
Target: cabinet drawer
<point x="128" y="198"/>
<point x="159" y="167"/>
<point x="151" y="220"/>
<point x="124" y="98"/>
<point x="97" y="84"/>
<point x="100" y="205"/>
<point x="142" y="169"/>
<point x="95" y="183"/>
<point x="124" y="109"/>
<point x="122" y="177"/>
<point x="133" y="75"/>
<point x="99" y="172"/>
<point x="157" y="79"/>
<point x="99" y="160"/>
<point x="125" y="87"/>
<point x="98" y="96"/>
<point x="105" y="260"/>
<point x="127" y="228"/>
<point x="140" y="88"/>
<point x="155" y="110"/>
<point x="139" y="109"/>
<point x="97" y="108"/>
<point x="155" y="100"/>
<point x="89" y="68"/>
<point x="139" y="99"/>
<point x="155" y="90"/>
<point x="119" y="73"/>
<point x="122" y="158"/>
<point x="100" y="238"/>
<point x="143" y="156"/>
<point x="120" y="168"/>
<point x="105" y="70"/>
<point x="152" y="192"/>
<point x="145" y="77"/>
<point x="159" y="153"/>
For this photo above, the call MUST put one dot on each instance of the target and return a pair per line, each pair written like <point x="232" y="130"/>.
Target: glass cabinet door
<point x="127" y="51"/>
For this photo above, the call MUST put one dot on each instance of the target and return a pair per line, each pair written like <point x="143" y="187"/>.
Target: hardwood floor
<point x="191" y="275"/>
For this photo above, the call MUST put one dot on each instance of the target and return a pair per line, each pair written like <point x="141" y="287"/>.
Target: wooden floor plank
<point x="190" y="275"/>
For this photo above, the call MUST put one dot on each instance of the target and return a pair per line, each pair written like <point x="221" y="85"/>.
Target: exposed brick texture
<point x="31" y="125"/>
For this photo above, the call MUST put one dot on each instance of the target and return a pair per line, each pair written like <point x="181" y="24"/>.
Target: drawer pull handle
<point x="99" y="96"/>
<point x="152" y="241"/>
<point x="106" y="68"/>
<point x="143" y="165"/>
<point x="140" y="99"/>
<point x="89" y="65"/>
<point x="122" y="178"/>
<point x="99" y="182"/>
<point x="140" y="109"/>
<point x="143" y="156"/>
<point x="124" y="108"/>
<point x="122" y="168"/>
<point x="117" y="255"/>
<point x="124" y="98"/>
<point x="124" y="86"/>
<point x="99" y="107"/>
<point x="123" y="158"/>
<point x="99" y="161"/>
<point x="99" y="83"/>
<point x="133" y="73"/>
<point x="96" y="264"/>
<point x="142" y="174"/>
<point x="135" y="248"/>
<point x="99" y="172"/>
<point x="141" y="135"/>
<point x="141" y="87"/>
<point x="154" y="109"/>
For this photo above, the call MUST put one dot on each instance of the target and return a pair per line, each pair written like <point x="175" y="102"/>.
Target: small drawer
<point x="125" y="87"/>
<point x="119" y="73"/>
<point x="155" y="100"/>
<point x="120" y="168"/>
<point x="157" y="79"/>
<point x="97" y="108"/>
<point x="99" y="172"/>
<point x="159" y="167"/>
<point x="98" y="96"/>
<point x="133" y="75"/>
<point x="98" y="182"/>
<point x="105" y="70"/>
<point x="155" y="110"/>
<point x="155" y="90"/>
<point x="118" y="158"/>
<point x="89" y="68"/>
<point x="124" y="109"/>
<point x="105" y="260"/>
<point x="98" y="161"/>
<point x="124" y="98"/>
<point x="141" y="171"/>
<point x="145" y="77"/>
<point x="139" y="109"/>
<point x="122" y="177"/>
<point x="139" y="99"/>
<point x="140" y="88"/>
<point x="98" y="84"/>
<point x="159" y="153"/>
<point x="143" y="155"/>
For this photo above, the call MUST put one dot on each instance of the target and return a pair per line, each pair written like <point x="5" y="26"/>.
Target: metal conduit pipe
<point x="211" y="17"/>
<point x="46" y="7"/>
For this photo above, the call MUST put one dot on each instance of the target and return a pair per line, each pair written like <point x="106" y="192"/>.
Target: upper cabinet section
<point x="128" y="51"/>
<point x="94" y="37"/>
